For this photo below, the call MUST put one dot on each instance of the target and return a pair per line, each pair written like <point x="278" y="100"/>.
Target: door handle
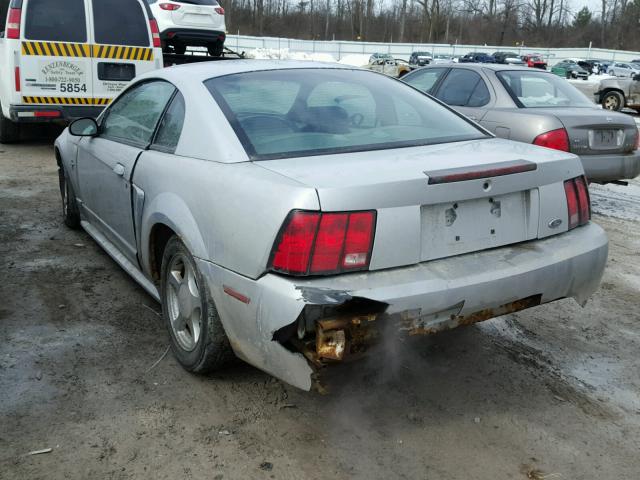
<point x="119" y="169"/>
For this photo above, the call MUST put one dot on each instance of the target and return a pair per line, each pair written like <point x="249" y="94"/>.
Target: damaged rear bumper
<point x="425" y="298"/>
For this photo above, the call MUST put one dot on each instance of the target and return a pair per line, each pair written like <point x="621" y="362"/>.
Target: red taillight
<point x="169" y="6"/>
<point x="16" y="78"/>
<point x="219" y="10"/>
<point x="13" y="23"/>
<point x="155" y="32"/>
<point x="313" y="243"/>
<point x="556" y="139"/>
<point x="578" y="203"/>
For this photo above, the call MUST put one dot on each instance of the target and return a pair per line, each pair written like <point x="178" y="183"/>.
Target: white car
<point x="194" y="23"/>
<point x="623" y="70"/>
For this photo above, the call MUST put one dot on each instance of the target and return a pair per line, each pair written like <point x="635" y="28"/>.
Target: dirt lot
<point x="551" y="392"/>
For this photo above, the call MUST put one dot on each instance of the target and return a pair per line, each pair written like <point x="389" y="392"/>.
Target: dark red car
<point x="535" y="60"/>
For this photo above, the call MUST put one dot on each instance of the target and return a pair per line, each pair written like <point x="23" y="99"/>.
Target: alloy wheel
<point x="184" y="303"/>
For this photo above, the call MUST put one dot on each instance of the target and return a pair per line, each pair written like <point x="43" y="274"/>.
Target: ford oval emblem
<point x="555" y="223"/>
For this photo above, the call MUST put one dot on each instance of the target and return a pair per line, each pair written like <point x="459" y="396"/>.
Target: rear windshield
<point x="531" y="89"/>
<point x="113" y="27"/>
<point x="56" y="21"/>
<point x="302" y="112"/>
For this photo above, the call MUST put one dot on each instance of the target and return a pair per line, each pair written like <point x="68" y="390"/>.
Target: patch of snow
<point x="286" y="54"/>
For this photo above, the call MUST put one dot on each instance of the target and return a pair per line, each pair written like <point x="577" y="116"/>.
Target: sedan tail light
<point x="578" y="202"/>
<point x="556" y="139"/>
<point x="13" y="23"/>
<point x="155" y="33"/>
<point x="315" y="243"/>
<point x="169" y="6"/>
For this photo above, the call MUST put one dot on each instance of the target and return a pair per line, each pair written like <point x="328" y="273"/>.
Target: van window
<point x="55" y="21"/>
<point x="120" y="22"/>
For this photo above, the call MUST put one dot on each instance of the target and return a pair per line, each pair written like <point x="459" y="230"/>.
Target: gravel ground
<point x="551" y="392"/>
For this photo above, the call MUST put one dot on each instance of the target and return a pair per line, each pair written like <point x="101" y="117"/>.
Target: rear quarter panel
<point x="228" y="214"/>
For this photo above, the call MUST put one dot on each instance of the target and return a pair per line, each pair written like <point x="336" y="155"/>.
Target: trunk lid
<point x="594" y="131"/>
<point x="418" y="220"/>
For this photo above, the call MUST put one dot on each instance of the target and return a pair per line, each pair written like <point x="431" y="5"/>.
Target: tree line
<point x="509" y="23"/>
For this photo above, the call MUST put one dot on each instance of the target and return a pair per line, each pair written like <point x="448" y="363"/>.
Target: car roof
<point x="490" y="66"/>
<point x="202" y="71"/>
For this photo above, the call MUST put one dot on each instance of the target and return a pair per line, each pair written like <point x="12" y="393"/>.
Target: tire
<point x="215" y="49"/>
<point x="70" y="211"/>
<point x="198" y="342"/>
<point x="9" y="131"/>
<point x="612" y="101"/>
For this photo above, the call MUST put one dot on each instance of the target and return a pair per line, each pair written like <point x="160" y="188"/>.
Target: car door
<point x="467" y="92"/>
<point x="106" y="162"/>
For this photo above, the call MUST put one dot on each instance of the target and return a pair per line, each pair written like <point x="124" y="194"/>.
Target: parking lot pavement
<point x="552" y="390"/>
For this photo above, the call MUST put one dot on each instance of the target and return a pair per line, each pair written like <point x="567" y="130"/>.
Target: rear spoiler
<point x="474" y="172"/>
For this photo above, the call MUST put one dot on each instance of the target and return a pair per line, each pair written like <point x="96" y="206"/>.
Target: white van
<point x="64" y="60"/>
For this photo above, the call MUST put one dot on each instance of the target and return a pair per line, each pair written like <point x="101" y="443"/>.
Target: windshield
<point x="532" y="89"/>
<point x="302" y="112"/>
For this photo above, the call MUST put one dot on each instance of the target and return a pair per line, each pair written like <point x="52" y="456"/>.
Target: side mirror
<point x="84" y="127"/>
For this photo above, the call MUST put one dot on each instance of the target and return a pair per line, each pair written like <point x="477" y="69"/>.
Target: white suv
<point x="198" y="23"/>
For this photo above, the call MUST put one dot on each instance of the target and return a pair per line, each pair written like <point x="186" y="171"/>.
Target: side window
<point x="134" y="116"/>
<point x="50" y="21"/>
<point x="425" y="79"/>
<point x="171" y="125"/>
<point x="480" y="96"/>
<point x="113" y="27"/>
<point x="459" y="87"/>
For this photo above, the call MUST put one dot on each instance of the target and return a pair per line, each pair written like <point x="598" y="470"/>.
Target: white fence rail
<point x="339" y="49"/>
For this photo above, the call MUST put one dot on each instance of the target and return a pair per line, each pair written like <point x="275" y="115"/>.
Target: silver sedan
<point x="534" y="106"/>
<point x="295" y="213"/>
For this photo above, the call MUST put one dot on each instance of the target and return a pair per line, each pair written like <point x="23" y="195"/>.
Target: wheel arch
<point x="165" y="216"/>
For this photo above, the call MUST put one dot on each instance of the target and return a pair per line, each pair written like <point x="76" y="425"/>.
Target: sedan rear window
<point x="538" y="89"/>
<point x="302" y="112"/>
<point x="56" y="22"/>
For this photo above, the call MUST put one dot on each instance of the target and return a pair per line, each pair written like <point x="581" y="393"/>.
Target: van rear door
<point x="55" y="64"/>
<point x="123" y="45"/>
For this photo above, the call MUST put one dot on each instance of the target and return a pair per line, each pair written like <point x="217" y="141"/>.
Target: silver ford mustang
<point x="294" y="213"/>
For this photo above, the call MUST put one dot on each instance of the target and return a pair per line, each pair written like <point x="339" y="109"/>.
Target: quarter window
<point x="120" y="22"/>
<point x="463" y="88"/>
<point x="55" y="22"/>
<point x="134" y="116"/>
<point x="171" y="125"/>
<point x="425" y="79"/>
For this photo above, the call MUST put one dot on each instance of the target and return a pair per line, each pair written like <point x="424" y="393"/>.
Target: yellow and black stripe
<point x="122" y="53"/>
<point x="58" y="49"/>
<point x="66" y="101"/>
